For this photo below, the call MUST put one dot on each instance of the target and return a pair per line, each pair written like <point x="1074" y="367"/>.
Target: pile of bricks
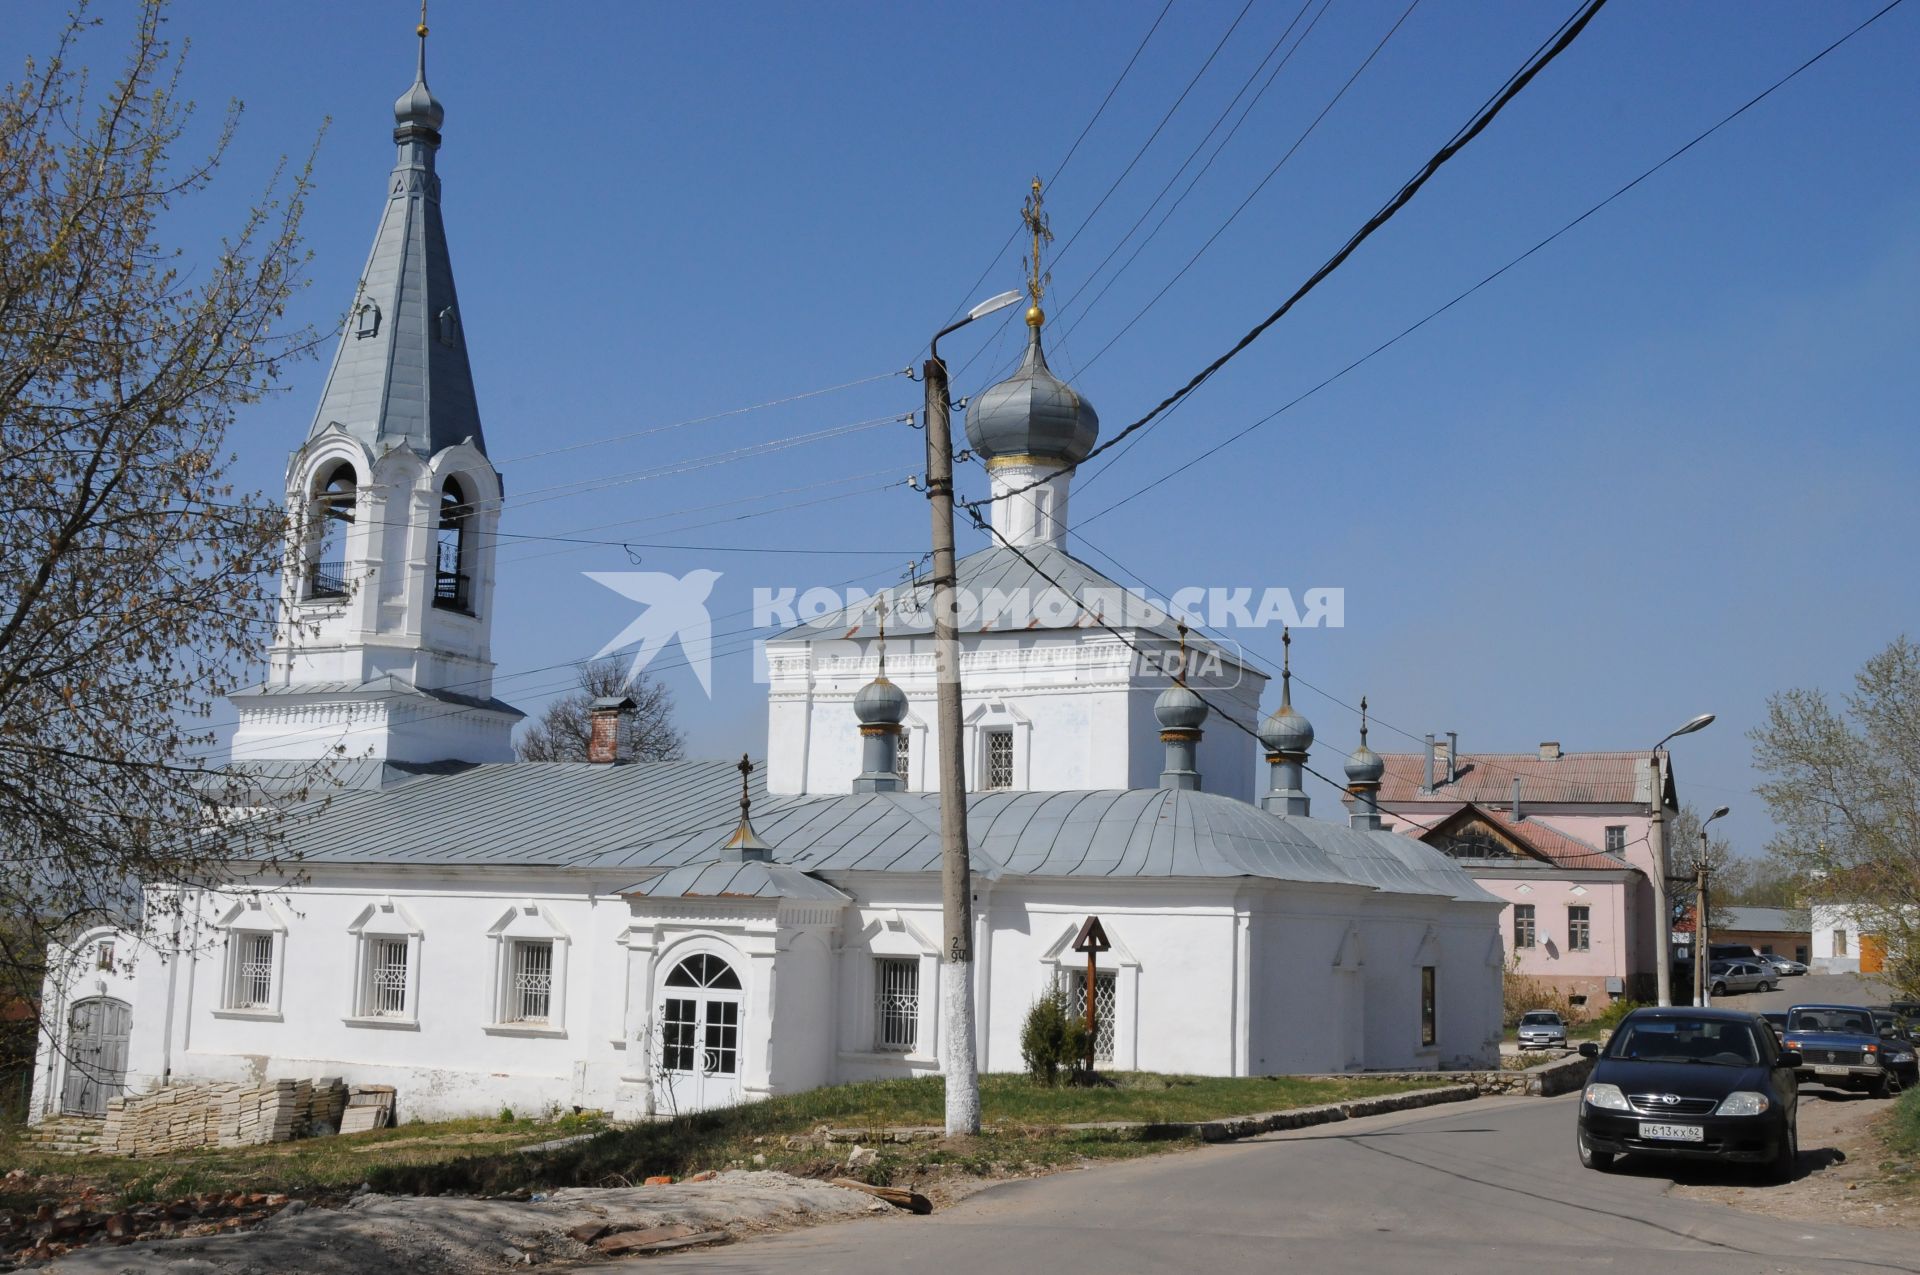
<point x="225" y="1114"/>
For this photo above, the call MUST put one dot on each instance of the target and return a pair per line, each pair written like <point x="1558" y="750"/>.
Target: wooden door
<point x="96" y="1044"/>
<point x="1873" y="953"/>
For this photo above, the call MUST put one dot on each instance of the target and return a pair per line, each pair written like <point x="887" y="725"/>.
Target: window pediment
<point x="252" y="913"/>
<point x="385" y="917"/>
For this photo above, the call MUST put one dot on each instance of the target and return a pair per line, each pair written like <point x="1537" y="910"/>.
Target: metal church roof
<point x="400" y="375"/>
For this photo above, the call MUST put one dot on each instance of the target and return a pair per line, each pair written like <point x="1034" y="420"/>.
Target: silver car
<point x="1725" y="977"/>
<point x="1542" y="1029"/>
<point x="1784" y="966"/>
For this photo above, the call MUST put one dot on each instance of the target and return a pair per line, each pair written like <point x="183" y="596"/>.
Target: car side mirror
<point x="1589" y="1050"/>
<point x="1789" y="1058"/>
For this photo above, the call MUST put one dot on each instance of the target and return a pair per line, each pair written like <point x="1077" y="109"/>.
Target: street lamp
<point x="956" y="888"/>
<point x="1702" y="951"/>
<point x="1657" y="844"/>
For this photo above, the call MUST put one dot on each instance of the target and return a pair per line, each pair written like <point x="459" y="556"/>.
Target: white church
<point x="651" y="938"/>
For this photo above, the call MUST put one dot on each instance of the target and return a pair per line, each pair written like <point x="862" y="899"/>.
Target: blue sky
<point x="1665" y="466"/>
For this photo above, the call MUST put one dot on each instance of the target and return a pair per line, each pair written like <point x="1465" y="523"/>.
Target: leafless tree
<point x="134" y="580"/>
<point x="1844" y="788"/>
<point x="647" y="733"/>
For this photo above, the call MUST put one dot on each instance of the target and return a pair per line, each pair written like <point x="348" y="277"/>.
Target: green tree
<point x="1843" y="785"/>
<point x="134" y="580"/>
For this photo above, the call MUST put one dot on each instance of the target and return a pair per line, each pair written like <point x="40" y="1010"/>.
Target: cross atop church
<point x="746" y="769"/>
<point x="1033" y="215"/>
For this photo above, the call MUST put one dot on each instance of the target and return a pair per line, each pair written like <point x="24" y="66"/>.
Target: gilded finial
<point x="421" y="30"/>
<point x="1035" y="218"/>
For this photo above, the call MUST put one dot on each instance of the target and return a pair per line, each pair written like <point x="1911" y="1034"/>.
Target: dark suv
<point x="1706" y="1084"/>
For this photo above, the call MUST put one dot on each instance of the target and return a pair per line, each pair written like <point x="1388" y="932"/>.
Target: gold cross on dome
<point x="745" y="768"/>
<point x="1035" y="218"/>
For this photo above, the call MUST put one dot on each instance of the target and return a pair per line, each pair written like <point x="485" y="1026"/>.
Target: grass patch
<point x="481" y="1156"/>
<point x="1022" y="1132"/>
<point x="307" y="1166"/>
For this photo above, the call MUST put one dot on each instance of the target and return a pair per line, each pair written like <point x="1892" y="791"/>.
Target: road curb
<point x="1237" y="1127"/>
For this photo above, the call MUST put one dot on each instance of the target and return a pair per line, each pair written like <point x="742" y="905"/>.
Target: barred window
<point x="385" y="992"/>
<point x="1579" y="928"/>
<point x="1523" y="931"/>
<point x="999" y="759"/>
<point x="896" y="1003"/>
<point x="530" y="995"/>
<point x="250" y="980"/>
<point x="902" y="755"/>
<point x="1429" y="1007"/>
<point x="1106" y="1002"/>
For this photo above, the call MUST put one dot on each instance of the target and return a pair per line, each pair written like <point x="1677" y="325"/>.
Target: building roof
<point x="1009" y="589"/>
<point x="1599" y="778"/>
<point x="749" y="880"/>
<point x="517" y="814"/>
<point x="1032" y="413"/>
<point x="677" y="817"/>
<point x="1763" y="920"/>
<point x="400" y="375"/>
<point x="1547" y="843"/>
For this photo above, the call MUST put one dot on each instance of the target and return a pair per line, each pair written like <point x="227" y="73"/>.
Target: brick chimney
<point x="603" y="738"/>
<point x="1549" y="750"/>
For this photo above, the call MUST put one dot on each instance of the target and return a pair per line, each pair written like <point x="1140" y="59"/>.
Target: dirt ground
<point x="1844" y="1170"/>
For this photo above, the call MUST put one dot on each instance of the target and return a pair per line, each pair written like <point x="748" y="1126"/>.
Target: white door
<point x="700" y="1036"/>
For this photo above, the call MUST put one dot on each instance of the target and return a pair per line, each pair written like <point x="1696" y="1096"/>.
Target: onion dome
<point x="880" y="702"/>
<point x="1363" y="764"/>
<point x="1286" y="730"/>
<point x="418" y="107"/>
<point x="1179" y="709"/>
<point x="1033" y="412"/>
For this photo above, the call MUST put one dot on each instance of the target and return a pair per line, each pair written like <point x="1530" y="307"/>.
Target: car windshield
<point x="1831" y="1020"/>
<point x="1539" y="1020"/>
<point x="1686" y="1040"/>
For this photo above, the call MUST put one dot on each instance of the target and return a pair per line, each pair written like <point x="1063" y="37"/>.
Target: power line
<point x="1014" y="234"/>
<point x="702" y="420"/>
<point x="1431" y="315"/>
<point x="1253" y="194"/>
<point x="1460" y="140"/>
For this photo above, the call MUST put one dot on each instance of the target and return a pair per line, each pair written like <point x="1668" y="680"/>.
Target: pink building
<point x="1562" y="839"/>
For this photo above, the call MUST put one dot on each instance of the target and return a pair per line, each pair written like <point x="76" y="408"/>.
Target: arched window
<point x="335" y="494"/>
<point x="452" y="579"/>
<point x="704" y="970"/>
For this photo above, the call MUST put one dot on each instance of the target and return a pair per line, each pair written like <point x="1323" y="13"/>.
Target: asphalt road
<point x="1484" y="1187"/>
<point x="1811" y="989"/>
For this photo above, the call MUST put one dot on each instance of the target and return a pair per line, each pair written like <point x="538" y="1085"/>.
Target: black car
<point x="1897" y="1033"/>
<point x="1776" y="1019"/>
<point x="1706" y="1084"/>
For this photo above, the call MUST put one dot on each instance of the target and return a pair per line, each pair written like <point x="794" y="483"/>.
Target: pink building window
<point x="1579" y="928"/>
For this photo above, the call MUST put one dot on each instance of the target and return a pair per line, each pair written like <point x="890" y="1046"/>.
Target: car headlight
<point x="1606" y="1097"/>
<point x="1745" y="1102"/>
<point x="1899" y="1058"/>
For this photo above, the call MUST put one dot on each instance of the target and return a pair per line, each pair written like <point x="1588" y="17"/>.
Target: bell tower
<point x="382" y="647"/>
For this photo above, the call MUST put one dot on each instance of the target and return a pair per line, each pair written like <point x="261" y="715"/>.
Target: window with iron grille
<point x="902" y="755"/>
<point x="530" y="990"/>
<point x="896" y="1003"/>
<point x="1579" y="928"/>
<point x="250" y="984"/>
<point x="999" y="749"/>
<point x="385" y="993"/>
<point x="1106" y="1003"/>
<point x="1523" y="932"/>
<point x="1616" y="838"/>
<point x="1429" y="1007"/>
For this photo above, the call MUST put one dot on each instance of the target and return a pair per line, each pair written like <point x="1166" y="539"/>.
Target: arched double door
<point x="96" y="1048"/>
<point x="700" y="1008"/>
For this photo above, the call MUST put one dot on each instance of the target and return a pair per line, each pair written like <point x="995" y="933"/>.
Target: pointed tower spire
<point x="1286" y="736"/>
<point x="880" y="707"/>
<point x="1364" y="772"/>
<point x="745" y="843"/>
<point x="401" y="376"/>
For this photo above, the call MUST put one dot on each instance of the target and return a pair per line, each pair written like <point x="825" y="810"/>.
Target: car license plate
<point x="1672" y="1132"/>
<point x="1830" y="1071"/>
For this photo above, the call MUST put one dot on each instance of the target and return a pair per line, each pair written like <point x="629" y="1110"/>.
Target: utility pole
<point x="1657" y="846"/>
<point x="1662" y="909"/>
<point x="1701" y="978"/>
<point x="957" y="1042"/>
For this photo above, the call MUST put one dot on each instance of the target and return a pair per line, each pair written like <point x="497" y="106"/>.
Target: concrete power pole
<point x="1662" y="909"/>
<point x="956" y="887"/>
<point x="1701" y="960"/>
